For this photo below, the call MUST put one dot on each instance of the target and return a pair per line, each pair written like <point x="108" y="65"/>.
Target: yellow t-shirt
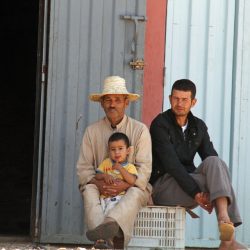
<point x="106" y="168"/>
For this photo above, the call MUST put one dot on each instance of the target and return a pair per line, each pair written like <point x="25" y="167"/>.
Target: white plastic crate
<point x="159" y="227"/>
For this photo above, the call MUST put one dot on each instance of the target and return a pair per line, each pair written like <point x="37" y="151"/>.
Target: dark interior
<point x="19" y="30"/>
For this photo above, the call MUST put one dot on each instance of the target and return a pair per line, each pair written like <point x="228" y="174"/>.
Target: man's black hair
<point x="119" y="136"/>
<point x="184" y="85"/>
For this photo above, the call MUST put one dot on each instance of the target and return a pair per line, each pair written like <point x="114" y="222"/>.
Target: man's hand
<point x="111" y="189"/>
<point x="203" y="200"/>
<point x="109" y="179"/>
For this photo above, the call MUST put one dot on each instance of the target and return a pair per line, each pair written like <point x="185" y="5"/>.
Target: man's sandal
<point x="106" y="230"/>
<point x="226" y="230"/>
<point x="104" y="244"/>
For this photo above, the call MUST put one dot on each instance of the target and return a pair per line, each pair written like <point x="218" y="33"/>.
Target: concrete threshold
<point x="25" y="243"/>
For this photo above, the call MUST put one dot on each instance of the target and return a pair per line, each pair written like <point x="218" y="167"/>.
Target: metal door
<point x="88" y="40"/>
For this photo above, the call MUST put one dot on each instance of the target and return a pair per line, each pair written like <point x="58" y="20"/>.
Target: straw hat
<point x="114" y="85"/>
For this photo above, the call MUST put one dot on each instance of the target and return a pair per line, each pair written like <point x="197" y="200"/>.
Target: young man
<point x="94" y="149"/>
<point x="177" y="136"/>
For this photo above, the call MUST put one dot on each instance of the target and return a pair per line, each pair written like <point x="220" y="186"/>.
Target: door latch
<point x="137" y="64"/>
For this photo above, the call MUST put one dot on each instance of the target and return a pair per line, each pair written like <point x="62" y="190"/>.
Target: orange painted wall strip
<point x="154" y="59"/>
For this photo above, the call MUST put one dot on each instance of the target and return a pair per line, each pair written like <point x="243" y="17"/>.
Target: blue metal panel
<point x="241" y="118"/>
<point x="200" y="46"/>
<point x="87" y="42"/>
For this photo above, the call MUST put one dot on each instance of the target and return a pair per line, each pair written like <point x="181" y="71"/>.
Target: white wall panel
<point x="202" y="44"/>
<point x="241" y="117"/>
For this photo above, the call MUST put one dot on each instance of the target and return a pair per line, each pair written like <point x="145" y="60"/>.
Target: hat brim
<point x="98" y="97"/>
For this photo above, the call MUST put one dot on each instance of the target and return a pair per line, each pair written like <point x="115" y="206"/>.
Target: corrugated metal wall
<point x="88" y="40"/>
<point x="241" y="117"/>
<point x="202" y="44"/>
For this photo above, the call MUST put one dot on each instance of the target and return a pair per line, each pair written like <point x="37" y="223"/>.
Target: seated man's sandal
<point x="104" y="244"/>
<point x="226" y="230"/>
<point x="106" y="230"/>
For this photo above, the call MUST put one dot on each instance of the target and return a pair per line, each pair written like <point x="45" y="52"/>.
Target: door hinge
<point x="44" y="72"/>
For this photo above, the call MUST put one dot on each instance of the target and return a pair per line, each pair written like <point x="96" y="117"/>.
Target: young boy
<point x="116" y="167"/>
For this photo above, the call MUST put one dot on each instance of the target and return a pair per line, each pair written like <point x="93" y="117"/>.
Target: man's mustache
<point x="112" y="109"/>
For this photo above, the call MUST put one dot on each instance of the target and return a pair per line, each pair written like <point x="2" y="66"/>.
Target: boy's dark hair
<point x="184" y="85"/>
<point x="119" y="136"/>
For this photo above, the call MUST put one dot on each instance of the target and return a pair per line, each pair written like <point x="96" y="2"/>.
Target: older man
<point x="94" y="149"/>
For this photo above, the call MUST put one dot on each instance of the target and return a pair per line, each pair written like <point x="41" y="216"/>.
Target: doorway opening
<point x="17" y="111"/>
